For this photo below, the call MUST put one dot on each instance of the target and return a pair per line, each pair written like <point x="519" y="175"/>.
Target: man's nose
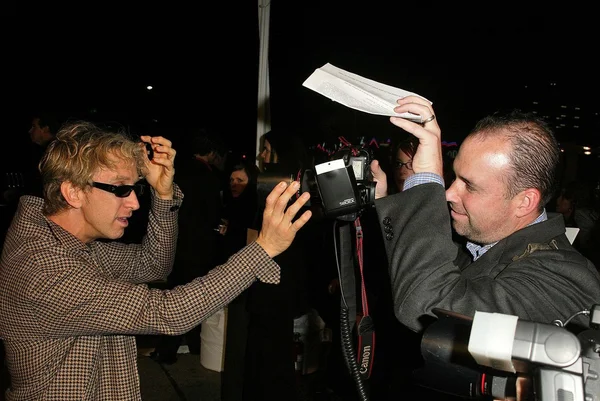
<point x="451" y="193"/>
<point x="132" y="201"/>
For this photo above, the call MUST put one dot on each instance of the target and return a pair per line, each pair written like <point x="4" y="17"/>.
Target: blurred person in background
<point x="403" y="154"/>
<point x="575" y="203"/>
<point x="269" y="361"/>
<point x="22" y="175"/>
<point x="240" y="205"/>
<point x="198" y="243"/>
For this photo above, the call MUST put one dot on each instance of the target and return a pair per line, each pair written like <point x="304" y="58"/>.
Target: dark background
<point x="94" y="61"/>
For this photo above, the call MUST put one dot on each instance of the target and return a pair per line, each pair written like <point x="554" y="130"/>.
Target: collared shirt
<point x="476" y="250"/>
<point x="69" y="311"/>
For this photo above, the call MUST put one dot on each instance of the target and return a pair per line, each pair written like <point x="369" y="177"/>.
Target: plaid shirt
<point x="69" y="311"/>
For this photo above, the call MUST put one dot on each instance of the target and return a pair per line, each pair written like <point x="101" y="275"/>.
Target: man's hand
<point x="278" y="231"/>
<point x="161" y="168"/>
<point x="428" y="158"/>
<point x="380" y="178"/>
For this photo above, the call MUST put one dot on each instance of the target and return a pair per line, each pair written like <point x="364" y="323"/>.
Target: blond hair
<point x="79" y="150"/>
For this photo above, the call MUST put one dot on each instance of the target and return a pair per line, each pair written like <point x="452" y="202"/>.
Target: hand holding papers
<point x="357" y="92"/>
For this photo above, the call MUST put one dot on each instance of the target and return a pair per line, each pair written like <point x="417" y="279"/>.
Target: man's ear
<point x="72" y="194"/>
<point x="528" y="202"/>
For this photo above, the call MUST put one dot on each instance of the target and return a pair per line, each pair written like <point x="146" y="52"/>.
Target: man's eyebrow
<point x="122" y="178"/>
<point x="466" y="181"/>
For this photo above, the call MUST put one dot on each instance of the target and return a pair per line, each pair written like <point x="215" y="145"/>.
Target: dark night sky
<point x="202" y="60"/>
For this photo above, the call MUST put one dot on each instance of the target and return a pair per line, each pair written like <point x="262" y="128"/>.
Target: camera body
<point x="465" y="360"/>
<point x="345" y="183"/>
<point x="342" y="187"/>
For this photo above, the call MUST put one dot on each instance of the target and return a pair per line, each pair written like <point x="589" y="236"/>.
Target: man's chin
<point x="116" y="235"/>
<point x="459" y="228"/>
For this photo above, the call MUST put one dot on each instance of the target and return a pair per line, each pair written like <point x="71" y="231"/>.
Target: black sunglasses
<point x="120" y="191"/>
<point x="399" y="164"/>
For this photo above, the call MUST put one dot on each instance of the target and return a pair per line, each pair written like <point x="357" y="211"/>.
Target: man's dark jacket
<point x="534" y="273"/>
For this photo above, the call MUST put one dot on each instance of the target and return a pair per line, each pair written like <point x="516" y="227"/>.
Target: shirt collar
<point x="478" y="250"/>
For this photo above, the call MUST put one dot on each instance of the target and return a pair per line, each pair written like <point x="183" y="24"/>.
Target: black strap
<point x="346" y="274"/>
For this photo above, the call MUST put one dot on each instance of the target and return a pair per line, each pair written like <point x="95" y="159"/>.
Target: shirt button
<point x="387" y="221"/>
<point x="174" y="208"/>
<point x="389" y="236"/>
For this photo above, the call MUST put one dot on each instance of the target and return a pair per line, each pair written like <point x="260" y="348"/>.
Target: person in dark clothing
<point x="198" y="241"/>
<point x="239" y="211"/>
<point x="22" y="174"/>
<point x="269" y="360"/>
<point x="239" y="207"/>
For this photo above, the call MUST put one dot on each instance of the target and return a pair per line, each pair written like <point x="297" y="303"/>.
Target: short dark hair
<point x="292" y="153"/>
<point x="250" y="169"/>
<point x="48" y="119"/>
<point x="408" y="145"/>
<point x="535" y="152"/>
<point x="204" y="141"/>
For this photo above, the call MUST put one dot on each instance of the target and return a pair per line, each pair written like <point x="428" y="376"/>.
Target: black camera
<point x="479" y="357"/>
<point x="342" y="187"/>
<point x="345" y="183"/>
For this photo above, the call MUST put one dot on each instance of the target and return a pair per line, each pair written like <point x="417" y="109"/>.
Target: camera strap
<point x="366" y="328"/>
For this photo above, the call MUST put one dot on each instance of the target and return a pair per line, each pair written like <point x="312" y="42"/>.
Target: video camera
<point x="470" y="357"/>
<point x="342" y="186"/>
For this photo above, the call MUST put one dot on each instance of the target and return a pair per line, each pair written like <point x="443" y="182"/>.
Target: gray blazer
<point x="534" y="273"/>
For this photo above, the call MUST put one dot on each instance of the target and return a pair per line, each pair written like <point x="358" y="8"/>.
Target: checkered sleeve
<point x="205" y="295"/>
<point x="105" y="305"/>
<point x="422" y="178"/>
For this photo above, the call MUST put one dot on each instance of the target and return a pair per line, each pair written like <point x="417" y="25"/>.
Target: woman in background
<point x="269" y="360"/>
<point x="240" y="208"/>
<point x="403" y="154"/>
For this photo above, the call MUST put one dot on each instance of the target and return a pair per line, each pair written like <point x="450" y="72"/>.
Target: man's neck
<point x="478" y="250"/>
<point x="70" y="222"/>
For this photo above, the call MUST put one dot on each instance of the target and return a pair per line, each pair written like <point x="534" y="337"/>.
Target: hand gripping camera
<point x="470" y="357"/>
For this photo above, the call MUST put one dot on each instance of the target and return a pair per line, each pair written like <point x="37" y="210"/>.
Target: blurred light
<point x="587" y="148"/>
<point x="149" y="87"/>
<point x="587" y="152"/>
